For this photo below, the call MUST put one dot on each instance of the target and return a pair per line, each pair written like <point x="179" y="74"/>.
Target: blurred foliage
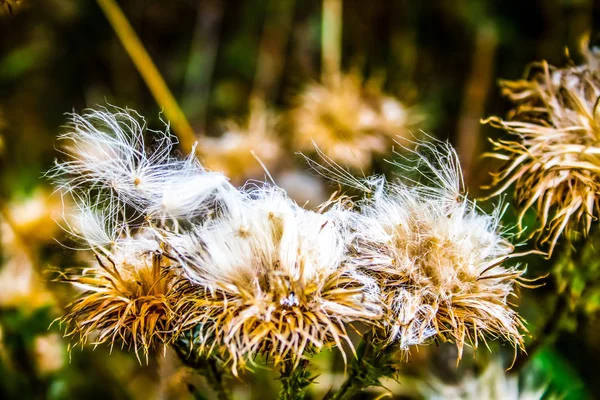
<point x="58" y="56"/>
<point x="578" y="274"/>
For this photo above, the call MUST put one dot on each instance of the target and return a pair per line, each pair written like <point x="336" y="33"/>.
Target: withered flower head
<point x="128" y="297"/>
<point x="438" y="259"/>
<point x="553" y="159"/>
<point x="349" y="121"/>
<point x="235" y="152"/>
<point x="127" y="190"/>
<point x="270" y="280"/>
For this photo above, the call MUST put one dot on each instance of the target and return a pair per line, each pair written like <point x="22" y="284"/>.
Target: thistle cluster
<point x="253" y="275"/>
<point x="553" y="160"/>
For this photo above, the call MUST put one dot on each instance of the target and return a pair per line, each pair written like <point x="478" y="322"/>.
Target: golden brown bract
<point x="554" y="160"/>
<point x="127" y="301"/>
<point x="280" y="320"/>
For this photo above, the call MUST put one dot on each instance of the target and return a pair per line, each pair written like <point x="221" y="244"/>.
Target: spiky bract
<point x="126" y="190"/>
<point x="129" y="297"/>
<point x="554" y="160"/>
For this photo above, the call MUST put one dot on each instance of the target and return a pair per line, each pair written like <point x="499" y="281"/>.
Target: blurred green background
<point x="442" y="57"/>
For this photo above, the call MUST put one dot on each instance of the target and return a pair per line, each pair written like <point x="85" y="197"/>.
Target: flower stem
<point x="149" y="72"/>
<point x="211" y="368"/>
<point x="331" y="40"/>
<point x="372" y="363"/>
<point x="294" y="380"/>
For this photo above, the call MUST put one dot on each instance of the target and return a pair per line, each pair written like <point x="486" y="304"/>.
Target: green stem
<point x="372" y="363"/>
<point x="294" y="380"/>
<point x="211" y="368"/>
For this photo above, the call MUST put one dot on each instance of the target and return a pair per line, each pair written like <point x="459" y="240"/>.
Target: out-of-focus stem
<point x="545" y="336"/>
<point x="149" y="72"/>
<point x="271" y="51"/>
<point x="201" y="62"/>
<point x="473" y="105"/>
<point x="331" y="40"/>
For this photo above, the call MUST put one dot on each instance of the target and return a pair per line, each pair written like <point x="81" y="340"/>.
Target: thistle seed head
<point x="553" y="159"/>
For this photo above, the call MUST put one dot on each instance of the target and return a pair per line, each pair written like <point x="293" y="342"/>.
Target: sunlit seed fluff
<point x="237" y="151"/>
<point x="554" y="158"/>
<point x="128" y="297"/>
<point x="270" y="280"/>
<point x="348" y="120"/>
<point x="112" y="154"/>
<point x="438" y="259"/>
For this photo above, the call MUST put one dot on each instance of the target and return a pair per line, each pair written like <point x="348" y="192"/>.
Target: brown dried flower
<point x="554" y="160"/>
<point x="439" y="260"/>
<point x="234" y="152"/>
<point x="128" y="299"/>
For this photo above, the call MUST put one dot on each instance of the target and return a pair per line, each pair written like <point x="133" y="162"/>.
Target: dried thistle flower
<point x="234" y="152"/>
<point x="438" y="259"/>
<point x="20" y="283"/>
<point x="125" y="194"/>
<point x="270" y="280"/>
<point x="554" y="160"/>
<point x="349" y="121"/>
<point x="128" y="297"/>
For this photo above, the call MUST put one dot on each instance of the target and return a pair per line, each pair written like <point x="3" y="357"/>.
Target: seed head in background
<point x="554" y="159"/>
<point x="350" y="122"/>
<point x="438" y="259"/>
<point x="271" y="280"/>
<point x="233" y="153"/>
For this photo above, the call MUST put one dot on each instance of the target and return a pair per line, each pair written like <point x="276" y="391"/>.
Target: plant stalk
<point x="149" y="72"/>
<point x="331" y="41"/>
<point x="294" y="380"/>
<point x="546" y="335"/>
<point x="372" y="363"/>
<point x="211" y="368"/>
